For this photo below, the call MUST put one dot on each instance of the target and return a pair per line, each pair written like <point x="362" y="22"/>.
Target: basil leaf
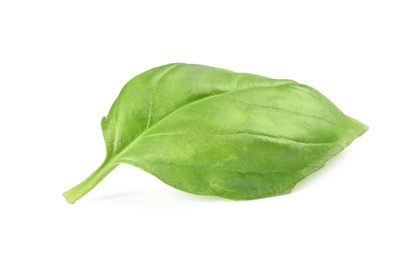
<point x="211" y="131"/>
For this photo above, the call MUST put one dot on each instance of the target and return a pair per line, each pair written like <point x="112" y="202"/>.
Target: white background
<point x="62" y="64"/>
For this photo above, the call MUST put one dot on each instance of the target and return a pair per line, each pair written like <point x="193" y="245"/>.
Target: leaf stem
<point x="89" y="183"/>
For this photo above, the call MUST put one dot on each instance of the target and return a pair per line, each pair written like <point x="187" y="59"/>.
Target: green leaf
<point x="211" y="131"/>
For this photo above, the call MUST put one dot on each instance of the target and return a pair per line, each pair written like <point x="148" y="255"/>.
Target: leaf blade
<point x="196" y="155"/>
<point x="211" y="131"/>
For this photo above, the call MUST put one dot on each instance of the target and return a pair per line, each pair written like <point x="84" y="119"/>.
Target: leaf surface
<point x="211" y="131"/>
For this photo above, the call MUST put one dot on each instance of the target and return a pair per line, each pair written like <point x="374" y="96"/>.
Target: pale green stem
<point x="89" y="183"/>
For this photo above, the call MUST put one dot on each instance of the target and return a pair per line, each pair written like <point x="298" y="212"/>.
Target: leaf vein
<point x="153" y="89"/>
<point x="260" y="135"/>
<point x="289" y="111"/>
<point x="143" y="134"/>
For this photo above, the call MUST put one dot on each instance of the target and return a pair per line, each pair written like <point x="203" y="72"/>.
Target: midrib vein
<point x="116" y="157"/>
<point x="265" y="136"/>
